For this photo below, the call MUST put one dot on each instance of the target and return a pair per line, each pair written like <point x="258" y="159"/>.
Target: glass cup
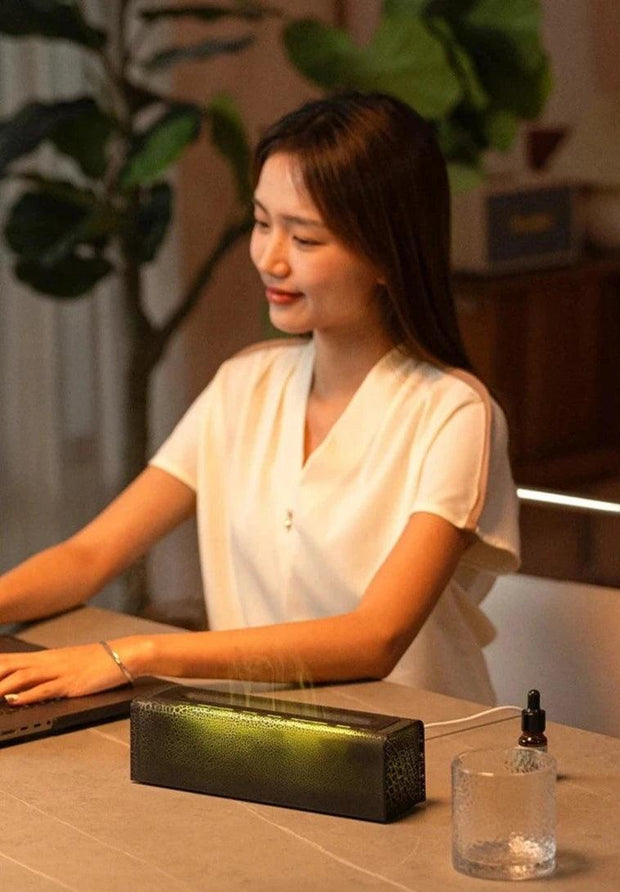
<point x="503" y="813"/>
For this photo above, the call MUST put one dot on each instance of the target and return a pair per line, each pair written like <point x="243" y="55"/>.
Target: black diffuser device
<point x="300" y="755"/>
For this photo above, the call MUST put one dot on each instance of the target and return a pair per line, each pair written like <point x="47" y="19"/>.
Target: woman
<point x="352" y="489"/>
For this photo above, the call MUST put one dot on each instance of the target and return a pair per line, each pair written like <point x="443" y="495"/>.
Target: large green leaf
<point x="207" y="12"/>
<point x="502" y="129"/>
<point x="71" y="277"/>
<point x="451" y="10"/>
<point x="38" y="221"/>
<point x="229" y="136"/>
<point x="407" y="7"/>
<point x="458" y="143"/>
<point x="58" y="237"/>
<point x="63" y="190"/>
<point x="496" y="43"/>
<point x="206" y="49"/>
<point x="92" y="232"/>
<point x="59" y="19"/>
<point x="521" y="91"/>
<point x="504" y="41"/>
<point x="404" y="58"/>
<point x="47" y="226"/>
<point x="518" y="21"/>
<point x="463" y="177"/>
<point x="462" y="64"/>
<point x="84" y="138"/>
<point x="161" y="145"/>
<point x="324" y="55"/>
<point x="152" y="220"/>
<point x="35" y="122"/>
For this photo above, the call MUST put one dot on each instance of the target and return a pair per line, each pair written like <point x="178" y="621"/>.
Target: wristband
<point x="112" y="653"/>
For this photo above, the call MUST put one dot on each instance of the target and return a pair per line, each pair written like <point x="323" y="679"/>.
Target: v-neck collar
<point x="348" y="436"/>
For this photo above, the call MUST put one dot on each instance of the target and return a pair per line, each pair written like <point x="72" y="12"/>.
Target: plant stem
<point x="229" y="237"/>
<point x="147" y="345"/>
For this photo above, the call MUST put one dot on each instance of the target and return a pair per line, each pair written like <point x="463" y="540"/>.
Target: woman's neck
<point x="340" y="367"/>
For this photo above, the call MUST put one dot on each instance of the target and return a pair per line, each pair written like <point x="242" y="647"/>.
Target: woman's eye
<point x="305" y="242"/>
<point x="260" y="224"/>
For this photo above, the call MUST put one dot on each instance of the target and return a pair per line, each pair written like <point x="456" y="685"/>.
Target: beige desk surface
<point x="71" y="818"/>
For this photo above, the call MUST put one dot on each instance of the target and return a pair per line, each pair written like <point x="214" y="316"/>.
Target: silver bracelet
<point x="112" y="653"/>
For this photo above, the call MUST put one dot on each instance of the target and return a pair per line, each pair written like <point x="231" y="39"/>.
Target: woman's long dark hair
<point x="374" y="170"/>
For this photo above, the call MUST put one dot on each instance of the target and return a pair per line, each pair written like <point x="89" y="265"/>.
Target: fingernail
<point x="11" y="698"/>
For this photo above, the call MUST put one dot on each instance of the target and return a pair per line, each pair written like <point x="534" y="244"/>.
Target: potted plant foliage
<point x="122" y="139"/>
<point x="108" y="216"/>
<point x="475" y="67"/>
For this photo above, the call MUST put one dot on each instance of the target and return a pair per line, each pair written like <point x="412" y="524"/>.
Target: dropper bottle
<point x="533" y="722"/>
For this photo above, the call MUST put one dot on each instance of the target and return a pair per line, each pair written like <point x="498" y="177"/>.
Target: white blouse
<point x="281" y="540"/>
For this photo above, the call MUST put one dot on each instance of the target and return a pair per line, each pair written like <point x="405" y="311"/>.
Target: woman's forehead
<point x="281" y="188"/>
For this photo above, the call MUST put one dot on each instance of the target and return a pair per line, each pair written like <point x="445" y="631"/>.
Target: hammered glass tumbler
<point x="503" y="813"/>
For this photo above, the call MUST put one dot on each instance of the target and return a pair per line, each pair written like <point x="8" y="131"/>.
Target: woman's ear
<point x="380" y="277"/>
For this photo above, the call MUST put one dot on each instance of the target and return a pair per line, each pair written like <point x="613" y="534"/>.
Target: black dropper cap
<point x="533" y="719"/>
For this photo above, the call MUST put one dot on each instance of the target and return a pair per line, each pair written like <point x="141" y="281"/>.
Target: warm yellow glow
<point x="526" y="224"/>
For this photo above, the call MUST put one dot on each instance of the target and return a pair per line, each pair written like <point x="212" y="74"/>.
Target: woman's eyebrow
<point x="291" y="218"/>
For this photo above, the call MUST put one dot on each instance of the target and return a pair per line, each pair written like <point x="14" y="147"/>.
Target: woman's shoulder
<point x="465" y="385"/>
<point x="258" y="364"/>
<point x="437" y="384"/>
<point x="265" y="353"/>
<point x="430" y="396"/>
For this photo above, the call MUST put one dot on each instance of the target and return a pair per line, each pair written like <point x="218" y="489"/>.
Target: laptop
<point x="19" y="723"/>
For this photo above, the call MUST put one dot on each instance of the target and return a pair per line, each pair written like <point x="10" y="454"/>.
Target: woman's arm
<point x="365" y="643"/>
<point x="73" y="571"/>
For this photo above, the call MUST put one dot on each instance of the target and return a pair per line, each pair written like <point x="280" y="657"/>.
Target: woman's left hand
<point x="63" y="672"/>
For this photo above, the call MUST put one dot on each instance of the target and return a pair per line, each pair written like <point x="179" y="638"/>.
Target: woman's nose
<point x="273" y="258"/>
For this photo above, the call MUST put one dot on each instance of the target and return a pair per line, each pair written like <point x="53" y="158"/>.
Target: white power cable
<point x="467" y="718"/>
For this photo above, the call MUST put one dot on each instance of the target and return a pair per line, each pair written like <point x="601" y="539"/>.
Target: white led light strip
<point x="577" y="502"/>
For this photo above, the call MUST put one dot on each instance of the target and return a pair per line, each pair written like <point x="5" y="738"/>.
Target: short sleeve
<point x="466" y="479"/>
<point x="178" y="455"/>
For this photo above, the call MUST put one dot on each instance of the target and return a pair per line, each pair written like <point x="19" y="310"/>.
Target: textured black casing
<point x="344" y="762"/>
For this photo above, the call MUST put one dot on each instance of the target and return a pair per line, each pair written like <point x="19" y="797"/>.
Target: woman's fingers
<point x="28" y="686"/>
<point x="65" y="672"/>
<point x="39" y="692"/>
<point x="18" y="678"/>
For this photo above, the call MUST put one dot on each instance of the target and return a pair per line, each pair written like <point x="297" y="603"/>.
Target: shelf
<point x="547" y="345"/>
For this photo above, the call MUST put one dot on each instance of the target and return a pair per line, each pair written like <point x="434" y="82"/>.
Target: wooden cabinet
<point x="548" y="345"/>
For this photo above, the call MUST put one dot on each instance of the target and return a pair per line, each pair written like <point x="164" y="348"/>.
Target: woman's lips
<point x="278" y="296"/>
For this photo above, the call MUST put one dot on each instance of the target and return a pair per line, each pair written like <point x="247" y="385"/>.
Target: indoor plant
<point x="475" y="67"/>
<point x="121" y="138"/>
<point x="108" y="215"/>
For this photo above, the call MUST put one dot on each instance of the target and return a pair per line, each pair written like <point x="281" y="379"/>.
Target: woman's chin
<point x="286" y="324"/>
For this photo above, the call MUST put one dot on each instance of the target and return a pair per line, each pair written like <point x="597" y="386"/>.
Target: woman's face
<point x="313" y="281"/>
